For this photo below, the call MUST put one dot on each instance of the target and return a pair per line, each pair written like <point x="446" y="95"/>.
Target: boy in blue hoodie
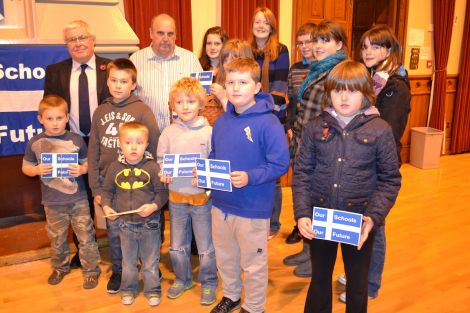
<point x="252" y="139"/>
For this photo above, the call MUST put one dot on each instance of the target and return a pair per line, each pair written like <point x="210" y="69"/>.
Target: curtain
<point x="443" y="17"/>
<point x="237" y="14"/>
<point x="139" y="13"/>
<point x="461" y="121"/>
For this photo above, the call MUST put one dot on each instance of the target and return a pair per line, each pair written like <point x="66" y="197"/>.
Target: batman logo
<point x="132" y="178"/>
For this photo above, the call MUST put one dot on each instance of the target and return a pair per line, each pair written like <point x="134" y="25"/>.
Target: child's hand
<point x="194" y="180"/>
<point x="290" y="134"/>
<point x="166" y="179"/>
<point x="305" y="227"/>
<point x="367" y="225"/>
<point x="107" y="211"/>
<point x="97" y="200"/>
<point x="43" y="169"/>
<point x="147" y="209"/>
<point x="218" y="91"/>
<point x="239" y="179"/>
<point x="76" y="170"/>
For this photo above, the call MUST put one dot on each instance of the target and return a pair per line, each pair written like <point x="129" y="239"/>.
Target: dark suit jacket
<point x="57" y="81"/>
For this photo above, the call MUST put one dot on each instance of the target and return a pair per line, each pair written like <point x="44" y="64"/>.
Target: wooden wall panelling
<point x="315" y="11"/>
<point x="420" y="98"/>
<point x="451" y="94"/>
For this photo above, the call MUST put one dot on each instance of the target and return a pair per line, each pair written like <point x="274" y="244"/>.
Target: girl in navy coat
<point x="347" y="161"/>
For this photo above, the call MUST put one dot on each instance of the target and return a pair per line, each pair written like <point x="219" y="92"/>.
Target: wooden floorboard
<point x="427" y="267"/>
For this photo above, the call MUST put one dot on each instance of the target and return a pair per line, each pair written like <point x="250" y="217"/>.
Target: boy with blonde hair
<point x="190" y="207"/>
<point x="251" y="137"/>
<point x="132" y="184"/>
<point x="64" y="198"/>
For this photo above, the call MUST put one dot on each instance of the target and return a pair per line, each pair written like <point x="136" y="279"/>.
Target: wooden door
<point x="315" y="11"/>
<point x="369" y="12"/>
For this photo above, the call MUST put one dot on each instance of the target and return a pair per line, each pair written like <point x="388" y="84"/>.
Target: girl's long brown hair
<point x="383" y="36"/>
<point x="272" y="47"/>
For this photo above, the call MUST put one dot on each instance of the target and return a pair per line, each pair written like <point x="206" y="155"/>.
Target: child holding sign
<point x="65" y="199"/>
<point x="347" y="161"/>
<point x="131" y="196"/>
<point x="252" y="139"/>
<point x="190" y="207"/>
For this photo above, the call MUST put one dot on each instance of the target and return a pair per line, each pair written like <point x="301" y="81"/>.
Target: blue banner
<point x="22" y="72"/>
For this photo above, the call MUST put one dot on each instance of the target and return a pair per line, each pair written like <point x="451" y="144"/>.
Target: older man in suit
<point x="81" y="81"/>
<point x="83" y="72"/>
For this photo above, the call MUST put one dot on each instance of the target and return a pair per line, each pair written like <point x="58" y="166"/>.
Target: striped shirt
<point x="155" y="75"/>
<point x="296" y="77"/>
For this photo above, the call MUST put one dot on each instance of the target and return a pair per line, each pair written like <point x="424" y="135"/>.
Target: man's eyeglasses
<point x="304" y="43"/>
<point x="77" y="39"/>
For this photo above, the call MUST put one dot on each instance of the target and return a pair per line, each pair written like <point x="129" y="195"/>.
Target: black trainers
<point x="114" y="283"/>
<point x="56" y="277"/>
<point x="91" y="281"/>
<point x="226" y="305"/>
<point x="294" y="236"/>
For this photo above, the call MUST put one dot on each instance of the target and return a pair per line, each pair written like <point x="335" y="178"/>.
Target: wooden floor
<point x="427" y="267"/>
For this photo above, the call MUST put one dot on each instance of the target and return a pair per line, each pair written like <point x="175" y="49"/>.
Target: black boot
<point x="294" y="236"/>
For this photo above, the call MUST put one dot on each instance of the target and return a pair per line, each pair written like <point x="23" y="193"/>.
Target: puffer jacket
<point x="393" y="103"/>
<point x="353" y="169"/>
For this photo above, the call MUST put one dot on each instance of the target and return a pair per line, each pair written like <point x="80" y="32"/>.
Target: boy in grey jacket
<point x="190" y="207"/>
<point x="103" y="147"/>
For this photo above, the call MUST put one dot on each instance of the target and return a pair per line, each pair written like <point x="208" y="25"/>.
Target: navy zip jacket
<point x="353" y="169"/>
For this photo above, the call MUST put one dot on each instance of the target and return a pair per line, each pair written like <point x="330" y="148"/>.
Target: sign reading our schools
<point x="205" y="78"/>
<point x="179" y="165"/>
<point x="213" y="174"/>
<point x="22" y="72"/>
<point x="335" y="225"/>
<point x="60" y="163"/>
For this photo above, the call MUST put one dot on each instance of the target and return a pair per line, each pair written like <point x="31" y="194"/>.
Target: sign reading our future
<point x="213" y="174"/>
<point x="179" y="165"/>
<point x="60" y="163"/>
<point x="335" y="225"/>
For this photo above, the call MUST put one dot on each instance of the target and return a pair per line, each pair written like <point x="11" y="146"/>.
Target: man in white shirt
<point x="160" y="65"/>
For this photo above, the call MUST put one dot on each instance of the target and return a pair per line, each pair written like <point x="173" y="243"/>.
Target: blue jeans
<point x="59" y="217"/>
<point x="377" y="262"/>
<point x="115" y="253"/>
<point x="275" y="223"/>
<point x="141" y="241"/>
<point x="181" y="216"/>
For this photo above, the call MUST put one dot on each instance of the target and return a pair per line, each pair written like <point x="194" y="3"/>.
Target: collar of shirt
<point x="154" y="57"/>
<point x="91" y="64"/>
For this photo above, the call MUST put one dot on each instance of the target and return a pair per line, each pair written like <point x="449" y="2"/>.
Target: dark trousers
<point x="356" y="265"/>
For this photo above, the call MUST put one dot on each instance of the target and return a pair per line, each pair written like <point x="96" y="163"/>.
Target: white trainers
<point x="154" y="300"/>
<point x="342" y="297"/>
<point x="127" y="299"/>
<point x="342" y="279"/>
